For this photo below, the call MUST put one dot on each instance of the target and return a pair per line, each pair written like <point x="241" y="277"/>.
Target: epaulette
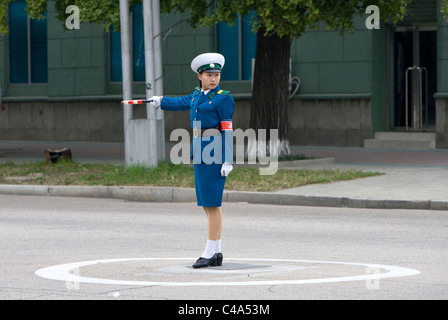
<point x="224" y="92"/>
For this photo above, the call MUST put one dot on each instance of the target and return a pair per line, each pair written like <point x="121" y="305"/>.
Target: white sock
<point x="209" y="249"/>
<point x="218" y="246"/>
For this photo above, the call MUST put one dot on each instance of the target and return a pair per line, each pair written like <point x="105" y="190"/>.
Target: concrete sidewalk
<point x="412" y="179"/>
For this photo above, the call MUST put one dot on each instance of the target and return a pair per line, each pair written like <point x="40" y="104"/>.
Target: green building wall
<point x="323" y="58"/>
<point x="343" y="98"/>
<point x="442" y="81"/>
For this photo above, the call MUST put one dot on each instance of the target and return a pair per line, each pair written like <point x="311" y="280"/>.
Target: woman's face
<point x="210" y="80"/>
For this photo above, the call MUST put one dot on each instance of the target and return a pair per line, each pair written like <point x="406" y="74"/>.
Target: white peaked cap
<point x="210" y="62"/>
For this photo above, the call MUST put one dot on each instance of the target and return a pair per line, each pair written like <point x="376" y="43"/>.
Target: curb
<point x="168" y="194"/>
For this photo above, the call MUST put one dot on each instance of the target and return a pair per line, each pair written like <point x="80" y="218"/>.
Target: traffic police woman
<point x="211" y="112"/>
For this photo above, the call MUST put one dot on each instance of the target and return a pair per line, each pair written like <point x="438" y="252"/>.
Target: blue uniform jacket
<point x="206" y="112"/>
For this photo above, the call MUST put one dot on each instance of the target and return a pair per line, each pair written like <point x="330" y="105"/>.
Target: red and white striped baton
<point x="136" y="101"/>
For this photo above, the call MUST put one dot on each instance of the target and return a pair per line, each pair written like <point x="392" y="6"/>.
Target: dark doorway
<point x="416" y="49"/>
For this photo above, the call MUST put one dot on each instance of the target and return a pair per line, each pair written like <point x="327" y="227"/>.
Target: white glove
<point x="155" y="101"/>
<point x="225" y="169"/>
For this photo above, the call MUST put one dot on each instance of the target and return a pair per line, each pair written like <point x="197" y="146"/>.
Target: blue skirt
<point x="209" y="184"/>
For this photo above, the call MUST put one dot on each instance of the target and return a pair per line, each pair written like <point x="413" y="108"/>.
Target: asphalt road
<point x="270" y="252"/>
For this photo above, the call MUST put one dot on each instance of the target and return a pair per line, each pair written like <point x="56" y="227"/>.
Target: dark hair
<point x="200" y="82"/>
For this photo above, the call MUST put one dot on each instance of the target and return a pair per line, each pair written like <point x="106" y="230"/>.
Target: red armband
<point x="226" y="125"/>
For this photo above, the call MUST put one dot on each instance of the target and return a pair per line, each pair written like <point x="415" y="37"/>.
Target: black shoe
<point x="203" y="262"/>
<point x="218" y="262"/>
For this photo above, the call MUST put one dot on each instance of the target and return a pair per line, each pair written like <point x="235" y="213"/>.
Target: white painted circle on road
<point x="64" y="272"/>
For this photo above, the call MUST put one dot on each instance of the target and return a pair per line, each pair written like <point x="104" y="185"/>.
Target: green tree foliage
<point x="104" y="12"/>
<point x="285" y="17"/>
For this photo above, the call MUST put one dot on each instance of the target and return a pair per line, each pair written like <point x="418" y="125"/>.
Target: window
<point x="238" y="44"/>
<point x="27" y="46"/>
<point x="138" y="48"/>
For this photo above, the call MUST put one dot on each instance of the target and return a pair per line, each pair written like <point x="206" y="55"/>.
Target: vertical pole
<point x="416" y="81"/>
<point x="426" y="97"/>
<point x="158" y="78"/>
<point x="149" y="73"/>
<point x="126" y="61"/>
<point x="406" y="97"/>
<point x="416" y="98"/>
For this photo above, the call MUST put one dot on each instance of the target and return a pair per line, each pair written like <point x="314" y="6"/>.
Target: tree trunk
<point x="270" y="95"/>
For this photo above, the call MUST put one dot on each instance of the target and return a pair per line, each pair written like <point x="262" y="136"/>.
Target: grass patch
<point x="165" y="175"/>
